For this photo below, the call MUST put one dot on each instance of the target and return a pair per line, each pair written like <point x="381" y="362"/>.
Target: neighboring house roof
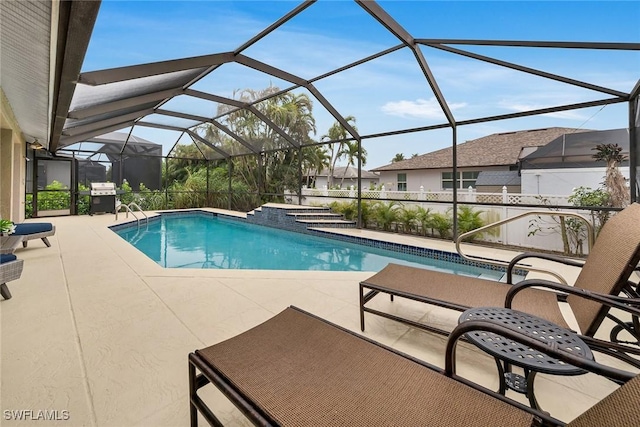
<point x="499" y="149"/>
<point x="576" y="150"/>
<point x="495" y="178"/>
<point x="351" y="173"/>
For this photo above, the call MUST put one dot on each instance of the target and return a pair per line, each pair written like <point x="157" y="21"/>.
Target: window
<point x="402" y="182"/>
<point x="465" y="180"/>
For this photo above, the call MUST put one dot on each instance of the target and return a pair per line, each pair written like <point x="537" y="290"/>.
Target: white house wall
<point x="563" y="181"/>
<point x="321" y="181"/>
<point x="429" y="179"/>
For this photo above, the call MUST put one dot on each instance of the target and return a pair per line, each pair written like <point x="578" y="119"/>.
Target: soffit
<point x="25" y="38"/>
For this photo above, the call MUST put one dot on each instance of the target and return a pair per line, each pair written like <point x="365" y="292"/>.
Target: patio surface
<point x="97" y="329"/>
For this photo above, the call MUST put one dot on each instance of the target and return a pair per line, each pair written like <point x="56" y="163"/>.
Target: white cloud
<point x="420" y="108"/>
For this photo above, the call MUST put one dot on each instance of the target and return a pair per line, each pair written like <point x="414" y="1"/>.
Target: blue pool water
<point x="205" y="241"/>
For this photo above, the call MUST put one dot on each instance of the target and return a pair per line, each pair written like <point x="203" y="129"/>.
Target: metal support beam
<point x="396" y="29"/>
<point x="531" y="43"/>
<point x="454" y="154"/>
<point x="528" y="70"/>
<point x="634" y="146"/>
<point x="233" y="135"/>
<point x="208" y="144"/>
<point x="326" y="104"/>
<point x="243" y="105"/>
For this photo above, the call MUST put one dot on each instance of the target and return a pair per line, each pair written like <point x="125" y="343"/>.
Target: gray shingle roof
<point x="499" y="149"/>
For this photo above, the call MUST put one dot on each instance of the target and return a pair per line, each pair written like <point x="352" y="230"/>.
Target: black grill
<point x="103" y="198"/>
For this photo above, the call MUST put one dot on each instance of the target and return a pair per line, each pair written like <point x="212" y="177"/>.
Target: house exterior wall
<point x="563" y="181"/>
<point x="321" y="181"/>
<point x="12" y="165"/>
<point x="429" y="179"/>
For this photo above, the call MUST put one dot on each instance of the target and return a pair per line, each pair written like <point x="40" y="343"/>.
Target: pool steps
<point x="297" y="218"/>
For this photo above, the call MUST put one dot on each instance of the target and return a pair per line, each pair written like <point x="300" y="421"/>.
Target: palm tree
<point x="407" y="217"/>
<point x="350" y="151"/>
<point x="613" y="180"/>
<point x="386" y="214"/>
<point x="423" y="217"/>
<point x="274" y="169"/>
<point x="337" y="132"/>
<point x="397" y="158"/>
<point x="314" y="160"/>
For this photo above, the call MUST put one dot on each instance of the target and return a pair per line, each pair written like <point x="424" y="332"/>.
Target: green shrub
<point x="423" y="217"/>
<point x="385" y="214"/>
<point x="442" y="223"/>
<point x="468" y="220"/>
<point x="408" y="217"/>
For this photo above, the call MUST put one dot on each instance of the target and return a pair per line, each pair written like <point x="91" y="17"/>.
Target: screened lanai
<point x="231" y="108"/>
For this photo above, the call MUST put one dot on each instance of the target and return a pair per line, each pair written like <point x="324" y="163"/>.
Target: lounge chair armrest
<point x="625" y="304"/>
<point x="614" y="374"/>
<point x="548" y="257"/>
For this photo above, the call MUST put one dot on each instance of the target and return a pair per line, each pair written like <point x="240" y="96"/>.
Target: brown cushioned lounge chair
<point x="296" y="369"/>
<point x="606" y="271"/>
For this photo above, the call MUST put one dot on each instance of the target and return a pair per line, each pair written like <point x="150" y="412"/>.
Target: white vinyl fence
<point x="518" y="233"/>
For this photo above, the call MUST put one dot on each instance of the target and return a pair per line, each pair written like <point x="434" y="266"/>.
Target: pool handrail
<point x="461" y="237"/>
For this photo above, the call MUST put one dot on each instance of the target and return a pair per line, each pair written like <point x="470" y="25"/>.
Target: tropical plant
<point x="347" y="209"/>
<point x="7" y="226"/>
<point x="423" y="217"/>
<point x="151" y="200"/>
<point x="407" y="216"/>
<point x="385" y="214"/>
<point x="614" y="181"/>
<point x="337" y="132"/>
<point x="350" y="151"/>
<point x="315" y="159"/>
<point x="397" y="158"/>
<point x="468" y="220"/>
<point x="587" y="197"/>
<point x="83" y="202"/>
<point x="442" y="223"/>
<point x="55" y="196"/>
<point x="367" y="212"/>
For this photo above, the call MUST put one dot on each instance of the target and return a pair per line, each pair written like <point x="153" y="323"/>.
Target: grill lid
<point x="102" y="188"/>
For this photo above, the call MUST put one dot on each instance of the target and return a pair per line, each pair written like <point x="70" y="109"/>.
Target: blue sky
<point x="390" y="93"/>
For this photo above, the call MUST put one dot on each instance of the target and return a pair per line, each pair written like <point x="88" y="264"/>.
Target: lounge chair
<point x="606" y="271"/>
<point x="10" y="269"/>
<point x="35" y="230"/>
<point x="297" y="369"/>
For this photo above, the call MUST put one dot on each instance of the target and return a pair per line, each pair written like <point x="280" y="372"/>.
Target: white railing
<point x="469" y="195"/>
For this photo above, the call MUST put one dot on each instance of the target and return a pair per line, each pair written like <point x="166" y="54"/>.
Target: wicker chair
<point x="297" y="369"/>
<point x="605" y="272"/>
<point x="10" y="269"/>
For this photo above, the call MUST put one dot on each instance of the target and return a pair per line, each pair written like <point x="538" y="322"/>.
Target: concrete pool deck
<point x="97" y="329"/>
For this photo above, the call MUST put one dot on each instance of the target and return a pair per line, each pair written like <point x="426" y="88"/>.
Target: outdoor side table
<point x="508" y="352"/>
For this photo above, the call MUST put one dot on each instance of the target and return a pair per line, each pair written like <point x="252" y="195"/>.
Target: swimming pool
<point x="198" y="240"/>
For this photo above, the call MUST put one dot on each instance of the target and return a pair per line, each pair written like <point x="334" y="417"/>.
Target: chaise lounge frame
<point x="604" y="276"/>
<point x="298" y="369"/>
